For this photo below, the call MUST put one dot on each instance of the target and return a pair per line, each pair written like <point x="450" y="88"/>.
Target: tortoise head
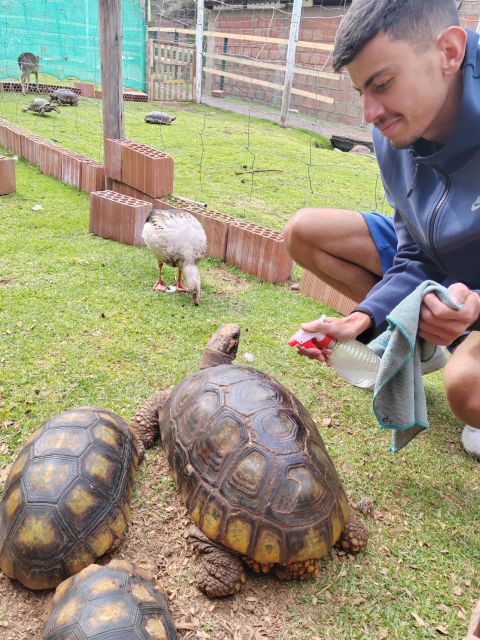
<point x="222" y="346"/>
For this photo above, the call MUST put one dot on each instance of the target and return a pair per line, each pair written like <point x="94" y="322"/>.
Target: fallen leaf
<point x="418" y="619"/>
<point x="442" y="630"/>
<point x="457" y="591"/>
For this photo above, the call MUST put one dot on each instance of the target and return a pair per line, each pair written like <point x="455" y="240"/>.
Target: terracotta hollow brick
<point x="87" y="89"/>
<point x="274" y="262"/>
<point x="121" y="187"/>
<point x="317" y="289"/>
<point x="237" y="252"/>
<point x="216" y="231"/>
<point x="112" y="151"/>
<point x="93" y="176"/>
<point x="71" y="169"/>
<point x="7" y="175"/>
<point x="147" y="170"/>
<point x="118" y="217"/>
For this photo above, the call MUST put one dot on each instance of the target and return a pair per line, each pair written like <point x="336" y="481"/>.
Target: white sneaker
<point x="471" y="441"/>
<point x="437" y="361"/>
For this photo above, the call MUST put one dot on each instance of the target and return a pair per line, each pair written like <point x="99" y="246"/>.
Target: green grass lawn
<point x="80" y="325"/>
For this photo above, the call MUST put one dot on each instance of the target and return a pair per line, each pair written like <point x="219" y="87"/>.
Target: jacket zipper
<point x="438" y="206"/>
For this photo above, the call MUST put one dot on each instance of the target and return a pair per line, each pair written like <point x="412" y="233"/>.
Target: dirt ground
<point x="156" y="539"/>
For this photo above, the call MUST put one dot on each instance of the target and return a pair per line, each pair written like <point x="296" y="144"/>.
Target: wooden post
<point x="212" y="16"/>
<point x="199" y="51"/>
<point x="110" y="25"/>
<point x="290" y="65"/>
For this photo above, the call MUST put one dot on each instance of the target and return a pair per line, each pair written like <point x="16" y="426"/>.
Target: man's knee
<point x="462" y="382"/>
<point x="305" y="228"/>
<point x="296" y="229"/>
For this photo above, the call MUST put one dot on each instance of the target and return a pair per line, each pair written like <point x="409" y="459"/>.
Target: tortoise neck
<point x="214" y="357"/>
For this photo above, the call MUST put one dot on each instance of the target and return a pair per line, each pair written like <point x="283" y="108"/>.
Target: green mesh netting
<point x="64" y="34"/>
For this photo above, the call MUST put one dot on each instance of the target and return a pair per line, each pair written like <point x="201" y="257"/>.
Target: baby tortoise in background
<point x="67" y="497"/>
<point x="158" y="117"/>
<point x="114" y="602"/>
<point x="64" y="96"/>
<point x="252" y="470"/>
<point x="41" y="106"/>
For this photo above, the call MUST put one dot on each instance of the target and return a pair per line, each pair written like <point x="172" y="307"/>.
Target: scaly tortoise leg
<point x="146" y="422"/>
<point x="222" y="573"/>
<point x="354" y="537"/>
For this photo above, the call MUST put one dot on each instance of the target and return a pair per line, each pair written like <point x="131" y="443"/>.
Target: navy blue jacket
<point x="436" y="202"/>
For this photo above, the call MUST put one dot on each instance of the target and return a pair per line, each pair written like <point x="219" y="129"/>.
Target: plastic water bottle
<point x="352" y="360"/>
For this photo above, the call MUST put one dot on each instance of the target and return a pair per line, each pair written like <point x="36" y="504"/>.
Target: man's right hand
<point x="341" y="329"/>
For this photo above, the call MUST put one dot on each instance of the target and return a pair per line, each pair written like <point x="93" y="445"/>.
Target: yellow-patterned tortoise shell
<point x="67" y="496"/>
<point x="115" y="602"/>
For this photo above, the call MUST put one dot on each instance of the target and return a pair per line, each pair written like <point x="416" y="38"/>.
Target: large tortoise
<point x="64" y="96"/>
<point x="40" y="106"/>
<point x="67" y="496"/>
<point x="252" y="469"/>
<point x="115" y="602"/>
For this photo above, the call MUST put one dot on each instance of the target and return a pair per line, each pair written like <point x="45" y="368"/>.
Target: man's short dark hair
<point x="418" y="21"/>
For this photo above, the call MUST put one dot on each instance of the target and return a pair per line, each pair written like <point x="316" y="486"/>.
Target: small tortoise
<point x="114" y="602"/>
<point x="158" y="117"/>
<point x="41" y="106"/>
<point x="252" y="469"/>
<point x="64" y="96"/>
<point x="67" y="496"/>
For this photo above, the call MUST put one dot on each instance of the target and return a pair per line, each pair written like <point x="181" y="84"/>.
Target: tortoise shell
<point x="114" y="602"/>
<point x="66" y="499"/>
<point x="64" y="96"/>
<point x="39" y="104"/>
<point x="159" y="117"/>
<point x="252" y="467"/>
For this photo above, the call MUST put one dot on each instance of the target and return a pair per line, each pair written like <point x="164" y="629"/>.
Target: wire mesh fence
<point x="236" y="163"/>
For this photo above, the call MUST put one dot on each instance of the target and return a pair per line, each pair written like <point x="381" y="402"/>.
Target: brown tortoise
<point x="252" y="469"/>
<point x="115" y="602"/>
<point x="67" y="497"/>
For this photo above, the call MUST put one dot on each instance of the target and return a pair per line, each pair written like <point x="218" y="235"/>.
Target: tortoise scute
<point x="66" y="499"/>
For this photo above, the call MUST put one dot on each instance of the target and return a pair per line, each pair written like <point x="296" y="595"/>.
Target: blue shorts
<point x="383" y="235"/>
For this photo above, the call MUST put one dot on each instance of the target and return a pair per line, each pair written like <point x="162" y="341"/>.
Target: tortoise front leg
<point x="222" y="574"/>
<point x="146" y="422"/>
<point x="354" y="537"/>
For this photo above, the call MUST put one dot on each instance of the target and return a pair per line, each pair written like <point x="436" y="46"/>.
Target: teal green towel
<point x="399" y="396"/>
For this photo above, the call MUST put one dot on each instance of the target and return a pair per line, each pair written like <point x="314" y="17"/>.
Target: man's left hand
<point x="441" y="324"/>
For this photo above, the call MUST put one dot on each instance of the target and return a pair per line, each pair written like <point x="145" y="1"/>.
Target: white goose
<point x="176" y="238"/>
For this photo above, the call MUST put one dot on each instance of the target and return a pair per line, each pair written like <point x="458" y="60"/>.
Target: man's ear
<point x="452" y="43"/>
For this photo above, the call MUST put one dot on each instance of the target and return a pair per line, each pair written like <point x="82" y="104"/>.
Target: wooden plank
<point x="320" y="46"/>
<point x="259" y="64"/>
<point x="313" y="96"/>
<point x="271" y="85"/>
<point x="235" y="76"/>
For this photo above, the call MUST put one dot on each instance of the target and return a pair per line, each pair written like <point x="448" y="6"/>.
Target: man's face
<point x="403" y="91"/>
